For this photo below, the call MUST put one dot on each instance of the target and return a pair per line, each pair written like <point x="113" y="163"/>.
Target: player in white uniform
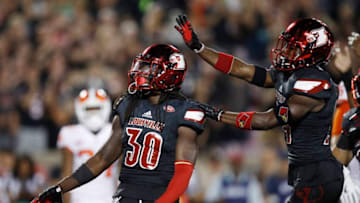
<point x="81" y="141"/>
<point x="348" y="147"/>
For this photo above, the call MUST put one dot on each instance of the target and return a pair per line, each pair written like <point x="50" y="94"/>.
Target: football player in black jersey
<point x="305" y="100"/>
<point x="347" y="150"/>
<point x="154" y="128"/>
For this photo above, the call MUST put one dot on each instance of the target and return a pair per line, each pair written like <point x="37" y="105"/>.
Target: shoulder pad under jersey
<point x="119" y="107"/>
<point x="310" y="82"/>
<point x="193" y="116"/>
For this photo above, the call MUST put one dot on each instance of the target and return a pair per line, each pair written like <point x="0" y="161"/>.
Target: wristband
<point x="201" y="48"/>
<point x="83" y="174"/>
<point x="259" y="77"/>
<point x="243" y="120"/>
<point x="224" y="62"/>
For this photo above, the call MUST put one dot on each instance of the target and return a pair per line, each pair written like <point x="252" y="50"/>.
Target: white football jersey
<point x="342" y="93"/>
<point x="83" y="144"/>
<point x="351" y="188"/>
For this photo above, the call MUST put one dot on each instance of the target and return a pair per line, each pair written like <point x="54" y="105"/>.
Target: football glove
<point x="50" y="195"/>
<point x="185" y="29"/>
<point x="212" y="111"/>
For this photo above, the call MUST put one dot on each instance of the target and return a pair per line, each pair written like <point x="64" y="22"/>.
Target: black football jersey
<point x="308" y="139"/>
<point x="149" y="144"/>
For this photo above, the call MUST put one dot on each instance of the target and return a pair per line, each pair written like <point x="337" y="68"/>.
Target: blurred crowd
<point x="49" y="50"/>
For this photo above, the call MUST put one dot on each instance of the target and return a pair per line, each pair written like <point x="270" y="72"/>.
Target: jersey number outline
<point x="147" y="154"/>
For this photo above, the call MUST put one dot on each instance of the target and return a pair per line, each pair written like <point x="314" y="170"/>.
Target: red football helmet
<point x="304" y="43"/>
<point x="158" y="67"/>
<point x="355" y="88"/>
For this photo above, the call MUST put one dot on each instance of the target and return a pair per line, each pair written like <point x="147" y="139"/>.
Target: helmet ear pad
<point x="305" y="42"/>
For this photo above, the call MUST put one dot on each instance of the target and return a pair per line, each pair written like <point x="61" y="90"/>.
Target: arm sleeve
<point x="62" y="141"/>
<point x="259" y="76"/>
<point x="178" y="183"/>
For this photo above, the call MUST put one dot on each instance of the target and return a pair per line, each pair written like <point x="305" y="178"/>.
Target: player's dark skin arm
<point x="103" y="159"/>
<point x="186" y="147"/>
<point x="342" y="155"/>
<point x="239" y="68"/>
<point x="299" y="106"/>
<point x="67" y="168"/>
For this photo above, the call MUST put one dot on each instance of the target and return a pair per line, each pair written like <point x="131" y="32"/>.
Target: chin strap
<point x="132" y="90"/>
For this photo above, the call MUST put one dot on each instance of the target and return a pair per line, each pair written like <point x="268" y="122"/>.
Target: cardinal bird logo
<point x="243" y="120"/>
<point x="283" y="113"/>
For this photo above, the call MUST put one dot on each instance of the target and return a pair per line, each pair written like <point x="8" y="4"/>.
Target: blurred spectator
<point x="277" y="189"/>
<point x="24" y="183"/>
<point x="237" y="184"/>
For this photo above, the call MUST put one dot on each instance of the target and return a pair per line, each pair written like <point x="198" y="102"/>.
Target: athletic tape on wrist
<point x="224" y="62"/>
<point x="243" y="120"/>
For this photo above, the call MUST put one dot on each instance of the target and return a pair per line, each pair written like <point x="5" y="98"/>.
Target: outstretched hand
<point x="342" y="60"/>
<point x="185" y="29"/>
<point x="354" y="42"/>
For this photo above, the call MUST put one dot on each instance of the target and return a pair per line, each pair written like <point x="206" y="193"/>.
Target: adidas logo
<point x="147" y="114"/>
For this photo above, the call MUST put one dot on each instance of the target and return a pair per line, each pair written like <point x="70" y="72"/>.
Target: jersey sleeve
<point x="310" y="82"/>
<point x="193" y="117"/>
<point x="63" y="139"/>
<point x="119" y="108"/>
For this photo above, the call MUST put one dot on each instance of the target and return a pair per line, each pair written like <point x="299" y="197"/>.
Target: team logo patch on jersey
<point x="169" y="108"/>
<point x="195" y="115"/>
<point x="147" y="114"/>
<point x="283" y="113"/>
<point x="311" y="86"/>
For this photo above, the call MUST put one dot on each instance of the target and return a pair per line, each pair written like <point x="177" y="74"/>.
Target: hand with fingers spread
<point x="342" y="60"/>
<point x="185" y="29"/>
<point x="354" y="42"/>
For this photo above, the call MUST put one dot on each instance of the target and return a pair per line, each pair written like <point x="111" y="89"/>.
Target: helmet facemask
<point x="288" y="55"/>
<point x="93" y="108"/>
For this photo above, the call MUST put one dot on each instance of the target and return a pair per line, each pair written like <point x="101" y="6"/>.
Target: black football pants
<point x="327" y="193"/>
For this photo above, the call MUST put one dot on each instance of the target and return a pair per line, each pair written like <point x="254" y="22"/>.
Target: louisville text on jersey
<point x="155" y="125"/>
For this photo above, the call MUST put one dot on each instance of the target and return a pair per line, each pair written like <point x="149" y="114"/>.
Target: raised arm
<point x="298" y="106"/>
<point x="221" y="61"/>
<point x="91" y="169"/>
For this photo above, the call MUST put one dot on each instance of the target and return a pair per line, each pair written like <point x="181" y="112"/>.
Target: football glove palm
<point x="185" y="29"/>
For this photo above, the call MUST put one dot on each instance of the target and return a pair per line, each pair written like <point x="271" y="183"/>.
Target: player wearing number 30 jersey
<point x="154" y="130"/>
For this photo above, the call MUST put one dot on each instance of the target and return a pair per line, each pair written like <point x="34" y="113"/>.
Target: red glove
<point x="185" y="29"/>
